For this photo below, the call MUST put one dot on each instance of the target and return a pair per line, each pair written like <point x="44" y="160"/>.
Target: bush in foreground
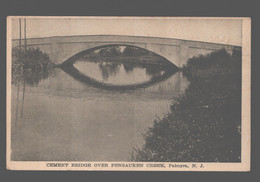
<point x="204" y="124"/>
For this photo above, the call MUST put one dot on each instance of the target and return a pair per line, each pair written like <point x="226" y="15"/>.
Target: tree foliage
<point x="204" y="124"/>
<point x="30" y="66"/>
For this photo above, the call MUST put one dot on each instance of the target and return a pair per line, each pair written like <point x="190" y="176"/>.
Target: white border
<point x="246" y="125"/>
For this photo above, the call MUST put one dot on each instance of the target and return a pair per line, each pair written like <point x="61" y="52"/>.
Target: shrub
<point x="204" y="123"/>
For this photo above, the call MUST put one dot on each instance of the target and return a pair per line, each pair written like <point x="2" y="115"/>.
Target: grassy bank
<point x="204" y="123"/>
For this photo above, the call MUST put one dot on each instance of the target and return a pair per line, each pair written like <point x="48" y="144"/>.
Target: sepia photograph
<point x="128" y="93"/>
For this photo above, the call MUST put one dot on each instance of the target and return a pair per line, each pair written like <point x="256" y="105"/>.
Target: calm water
<point x="63" y="118"/>
<point x="117" y="73"/>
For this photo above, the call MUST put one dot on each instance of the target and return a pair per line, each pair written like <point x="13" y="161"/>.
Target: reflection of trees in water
<point x="154" y="70"/>
<point x="28" y="67"/>
<point x="150" y="69"/>
<point x="111" y="58"/>
<point x="112" y="68"/>
<point x="108" y="69"/>
<point x="128" y="67"/>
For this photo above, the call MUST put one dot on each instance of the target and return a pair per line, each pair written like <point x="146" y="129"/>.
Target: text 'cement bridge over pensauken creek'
<point x="177" y="51"/>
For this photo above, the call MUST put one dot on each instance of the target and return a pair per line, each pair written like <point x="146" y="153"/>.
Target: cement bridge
<point x="177" y="51"/>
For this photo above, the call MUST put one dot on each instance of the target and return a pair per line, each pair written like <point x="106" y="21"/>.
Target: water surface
<point x="62" y="118"/>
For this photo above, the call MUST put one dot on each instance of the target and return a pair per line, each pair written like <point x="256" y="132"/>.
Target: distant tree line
<point x="118" y="51"/>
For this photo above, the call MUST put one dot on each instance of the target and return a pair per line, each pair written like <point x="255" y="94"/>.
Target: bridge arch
<point x="80" y="53"/>
<point x="177" y="51"/>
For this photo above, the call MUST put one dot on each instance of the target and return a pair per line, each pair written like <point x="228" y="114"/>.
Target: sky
<point x="224" y="31"/>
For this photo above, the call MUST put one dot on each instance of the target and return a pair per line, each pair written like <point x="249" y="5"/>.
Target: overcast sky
<point x="226" y="31"/>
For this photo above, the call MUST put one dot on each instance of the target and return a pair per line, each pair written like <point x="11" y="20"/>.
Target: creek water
<point x="61" y="118"/>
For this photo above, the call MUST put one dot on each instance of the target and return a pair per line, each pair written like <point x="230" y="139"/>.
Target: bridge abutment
<point x="183" y="55"/>
<point x="55" y="51"/>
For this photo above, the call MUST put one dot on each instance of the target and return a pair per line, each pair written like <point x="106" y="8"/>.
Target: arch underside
<point x="69" y="68"/>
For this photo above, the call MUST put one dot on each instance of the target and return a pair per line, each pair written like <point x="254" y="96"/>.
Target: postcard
<point x="128" y="93"/>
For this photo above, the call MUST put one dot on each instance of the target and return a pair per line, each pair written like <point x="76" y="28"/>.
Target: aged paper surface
<point x="128" y="93"/>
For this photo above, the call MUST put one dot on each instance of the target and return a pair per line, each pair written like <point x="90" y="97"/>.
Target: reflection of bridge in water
<point x="80" y="110"/>
<point x="177" y="51"/>
<point x="65" y="86"/>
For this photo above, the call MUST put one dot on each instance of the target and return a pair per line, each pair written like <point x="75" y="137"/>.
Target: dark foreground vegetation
<point x="30" y="66"/>
<point x="204" y="124"/>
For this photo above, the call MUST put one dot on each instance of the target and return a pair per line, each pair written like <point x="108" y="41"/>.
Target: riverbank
<point x="204" y="123"/>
